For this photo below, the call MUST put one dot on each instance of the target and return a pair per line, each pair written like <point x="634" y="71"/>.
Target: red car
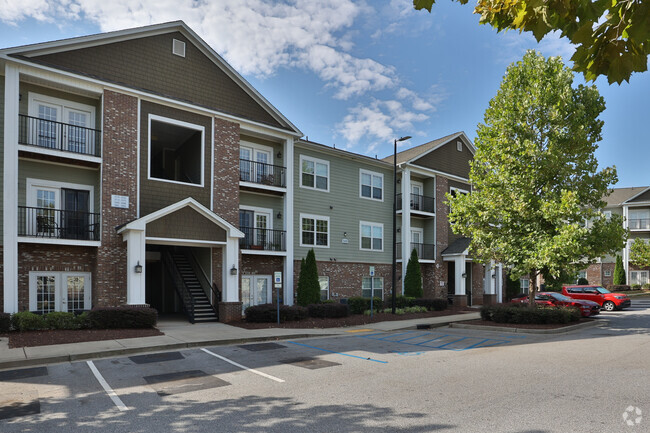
<point x="587" y="308"/>
<point x="607" y="300"/>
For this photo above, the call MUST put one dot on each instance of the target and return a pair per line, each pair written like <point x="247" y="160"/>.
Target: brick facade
<point x="226" y="170"/>
<point x="119" y="176"/>
<point x="55" y="258"/>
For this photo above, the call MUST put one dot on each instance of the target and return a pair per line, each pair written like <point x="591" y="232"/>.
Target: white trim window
<point x="374" y="285"/>
<point x="639" y="219"/>
<point x="175" y="153"/>
<point x="372" y="236"/>
<point x="256" y="163"/>
<point x="524" y="285"/>
<point x="59" y="291"/>
<point x="314" y="231"/>
<point x="371" y="185"/>
<point x="639" y="277"/>
<point x="324" y="282"/>
<point x="257" y="224"/>
<point x="314" y="173"/>
<point x="608" y="273"/>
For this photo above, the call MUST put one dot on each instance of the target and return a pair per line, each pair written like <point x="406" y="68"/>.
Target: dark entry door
<point x="75" y="223"/>
<point x="468" y="283"/>
<point x="451" y="281"/>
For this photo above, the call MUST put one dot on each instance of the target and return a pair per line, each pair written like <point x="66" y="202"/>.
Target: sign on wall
<point x="120" y="201"/>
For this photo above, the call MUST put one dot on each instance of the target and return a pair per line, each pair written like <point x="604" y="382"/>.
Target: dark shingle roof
<point x="408" y="154"/>
<point x="619" y="195"/>
<point x="457" y="247"/>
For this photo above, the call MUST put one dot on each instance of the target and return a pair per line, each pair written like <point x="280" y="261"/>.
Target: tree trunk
<point x="532" y="288"/>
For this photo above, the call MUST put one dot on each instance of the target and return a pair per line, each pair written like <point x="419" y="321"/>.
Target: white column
<point x="626" y="251"/>
<point x="406" y="222"/>
<point x="230" y="259"/>
<point x="459" y="271"/>
<point x="135" y="254"/>
<point x="488" y="281"/>
<point x="288" y="223"/>
<point x="499" y="282"/>
<point x="10" y="193"/>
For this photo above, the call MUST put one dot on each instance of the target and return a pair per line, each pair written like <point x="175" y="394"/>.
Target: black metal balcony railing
<point x="419" y="202"/>
<point x="262" y="173"/>
<point x="262" y="239"/>
<point x="48" y="134"/>
<point x="639" y="224"/>
<point x="57" y="223"/>
<point x="425" y="251"/>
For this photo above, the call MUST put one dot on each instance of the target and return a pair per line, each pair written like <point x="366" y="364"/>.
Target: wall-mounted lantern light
<point x="233" y="270"/>
<point x="464" y="275"/>
<point x="279" y="155"/>
<point x="138" y="268"/>
<point x="279" y="215"/>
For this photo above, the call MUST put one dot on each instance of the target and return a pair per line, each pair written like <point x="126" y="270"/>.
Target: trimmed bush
<point x="359" y="304"/>
<point x="60" y="320"/>
<point x="122" y="317"/>
<point x="82" y="321"/>
<point x="646" y="286"/>
<point x="619" y="272"/>
<point x="413" y="277"/>
<point x="308" y="285"/>
<point x="636" y="286"/>
<point x="403" y="301"/>
<point x="329" y="310"/>
<point x="5" y="322"/>
<point x="619" y="288"/>
<point x="26" y="321"/>
<point x="582" y="281"/>
<point x="522" y="314"/>
<point x="431" y="304"/>
<point x="268" y="313"/>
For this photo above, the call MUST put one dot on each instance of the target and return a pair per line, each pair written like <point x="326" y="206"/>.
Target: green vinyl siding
<point x="344" y="207"/>
<point x="58" y="173"/>
<point x="2" y="149"/>
<point x="267" y="202"/>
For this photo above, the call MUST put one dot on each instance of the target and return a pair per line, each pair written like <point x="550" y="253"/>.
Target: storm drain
<point x="23" y="373"/>
<point x="23" y="404"/>
<point x="310" y="363"/>
<point x="183" y="381"/>
<point x="156" y="357"/>
<point x="258" y="347"/>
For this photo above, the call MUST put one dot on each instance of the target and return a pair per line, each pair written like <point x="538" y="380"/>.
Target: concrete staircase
<point x="202" y="308"/>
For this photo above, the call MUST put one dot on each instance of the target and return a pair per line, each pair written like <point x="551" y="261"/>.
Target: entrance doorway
<point x="255" y="290"/>
<point x="451" y="281"/>
<point x="468" y="283"/>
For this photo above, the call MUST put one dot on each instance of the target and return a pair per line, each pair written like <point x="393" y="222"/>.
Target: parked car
<point x="587" y="308"/>
<point x="607" y="300"/>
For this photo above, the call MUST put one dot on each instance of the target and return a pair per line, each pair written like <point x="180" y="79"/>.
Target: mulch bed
<point x="354" y="320"/>
<point x="46" y="338"/>
<point x="523" y="325"/>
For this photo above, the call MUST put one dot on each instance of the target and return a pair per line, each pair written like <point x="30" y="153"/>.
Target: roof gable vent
<point x="459" y="146"/>
<point x="178" y="48"/>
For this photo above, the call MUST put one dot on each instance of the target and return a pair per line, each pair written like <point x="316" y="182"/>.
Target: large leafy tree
<point x="534" y="176"/>
<point x="612" y="36"/>
<point x="640" y="253"/>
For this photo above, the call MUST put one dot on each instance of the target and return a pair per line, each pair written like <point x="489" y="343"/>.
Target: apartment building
<point x="139" y="168"/>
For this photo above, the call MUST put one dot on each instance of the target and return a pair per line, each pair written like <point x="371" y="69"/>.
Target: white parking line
<point x="121" y="406"/>
<point x="243" y="367"/>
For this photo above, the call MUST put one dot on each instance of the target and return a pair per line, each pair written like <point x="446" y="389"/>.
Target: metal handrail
<point x="58" y="223"/>
<point x="49" y="134"/>
<point x="263" y="239"/>
<point x="179" y="284"/>
<point x="418" y="202"/>
<point x="262" y="173"/>
<point x="425" y="251"/>
<point x="200" y="274"/>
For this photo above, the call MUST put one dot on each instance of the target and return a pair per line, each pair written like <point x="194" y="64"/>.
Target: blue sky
<point x="355" y="73"/>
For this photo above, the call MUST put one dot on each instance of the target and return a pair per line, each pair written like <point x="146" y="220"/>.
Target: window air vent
<point x="178" y="48"/>
<point x="459" y="146"/>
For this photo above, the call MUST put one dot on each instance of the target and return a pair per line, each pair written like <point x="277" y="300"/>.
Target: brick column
<point x="119" y="177"/>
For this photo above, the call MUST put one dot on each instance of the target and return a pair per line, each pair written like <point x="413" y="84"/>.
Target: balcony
<point x="425" y="251"/>
<point x="639" y="224"/>
<point x="57" y="224"/>
<point x="262" y="173"/>
<point x="48" y="134"/>
<point x="262" y="239"/>
<point x="419" y="203"/>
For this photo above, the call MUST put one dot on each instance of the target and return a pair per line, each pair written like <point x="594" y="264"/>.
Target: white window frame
<point x="372" y="226"/>
<point x="35" y="98"/>
<point x="607" y="214"/>
<point x="315" y="218"/>
<point x="462" y="191"/>
<point x="372" y="175"/>
<point x="184" y="125"/>
<point x="315" y="161"/>
<point x="607" y="273"/>
<point x="259" y="210"/>
<point x="321" y="279"/>
<point x="373" y="287"/>
<point x="60" y="288"/>
<point x="639" y="275"/>
<point x="255" y="148"/>
<point x="524" y="285"/>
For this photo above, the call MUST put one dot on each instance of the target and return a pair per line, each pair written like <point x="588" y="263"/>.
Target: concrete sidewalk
<point x="181" y="334"/>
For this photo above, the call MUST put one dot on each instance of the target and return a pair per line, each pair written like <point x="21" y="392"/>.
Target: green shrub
<point x="413" y="277"/>
<point x="26" y="321"/>
<point x="82" y="320"/>
<point x="636" y="286"/>
<point x="403" y="301"/>
<point x="619" y="288"/>
<point x="582" y="281"/>
<point x="619" y="272"/>
<point x="431" y="304"/>
<point x="646" y="286"/>
<point x="522" y="314"/>
<point x="513" y="287"/>
<point x="308" y="285"/>
<point x="60" y="320"/>
<point x="122" y="317"/>
<point x="268" y="313"/>
<point x="359" y="304"/>
<point x="5" y="322"/>
<point x="328" y="310"/>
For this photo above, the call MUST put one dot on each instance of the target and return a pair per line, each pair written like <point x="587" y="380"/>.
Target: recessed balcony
<point x="418" y="203"/>
<point x="57" y="136"/>
<point x="261" y="173"/>
<point x="639" y="224"/>
<point x="263" y="239"/>
<point x="425" y="251"/>
<point x="48" y="223"/>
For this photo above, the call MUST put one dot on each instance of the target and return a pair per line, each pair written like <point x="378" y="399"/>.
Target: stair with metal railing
<point x="192" y="293"/>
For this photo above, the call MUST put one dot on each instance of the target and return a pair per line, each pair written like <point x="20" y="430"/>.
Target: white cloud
<point x="516" y="44"/>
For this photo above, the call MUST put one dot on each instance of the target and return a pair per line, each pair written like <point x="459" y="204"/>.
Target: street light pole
<point x="394" y="297"/>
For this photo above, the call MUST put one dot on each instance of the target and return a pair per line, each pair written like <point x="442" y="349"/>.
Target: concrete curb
<point x="563" y="330"/>
<point x="55" y="359"/>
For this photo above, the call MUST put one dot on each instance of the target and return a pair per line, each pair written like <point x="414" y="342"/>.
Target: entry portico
<point x="184" y="223"/>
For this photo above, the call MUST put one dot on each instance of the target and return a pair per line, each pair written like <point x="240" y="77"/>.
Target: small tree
<point x="582" y="281"/>
<point x="640" y="253"/>
<point x="413" y="277"/>
<point x="308" y="286"/>
<point x="619" y="272"/>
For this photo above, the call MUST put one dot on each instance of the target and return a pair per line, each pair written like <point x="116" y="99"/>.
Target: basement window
<point x="175" y="151"/>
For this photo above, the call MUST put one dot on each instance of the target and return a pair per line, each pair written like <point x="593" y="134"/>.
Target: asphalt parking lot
<point x="411" y="380"/>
